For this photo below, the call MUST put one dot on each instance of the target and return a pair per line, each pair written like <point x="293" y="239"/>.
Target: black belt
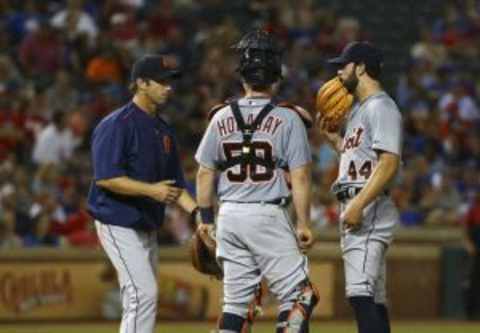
<point x="278" y="202"/>
<point x="351" y="192"/>
<point x="348" y="193"/>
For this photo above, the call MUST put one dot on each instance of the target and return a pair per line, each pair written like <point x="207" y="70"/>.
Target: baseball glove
<point x="333" y="103"/>
<point x="202" y="250"/>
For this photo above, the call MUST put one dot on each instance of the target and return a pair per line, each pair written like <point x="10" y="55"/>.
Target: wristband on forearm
<point x="207" y="215"/>
<point x="193" y="215"/>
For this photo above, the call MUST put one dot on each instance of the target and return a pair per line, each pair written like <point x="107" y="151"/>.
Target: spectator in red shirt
<point x="123" y="30"/>
<point x="41" y="51"/>
<point x="77" y="228"/>
<point x="11" y="129"/>
<point x="161" y="19"/>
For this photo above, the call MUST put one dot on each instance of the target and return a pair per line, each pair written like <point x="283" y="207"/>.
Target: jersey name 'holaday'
<point x="228" y="125"/>
<point x="281" y="137"/>
<point x="373" y="125"/>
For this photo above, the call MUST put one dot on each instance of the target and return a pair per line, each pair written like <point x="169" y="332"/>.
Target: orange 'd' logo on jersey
<point x="167" y="144"/>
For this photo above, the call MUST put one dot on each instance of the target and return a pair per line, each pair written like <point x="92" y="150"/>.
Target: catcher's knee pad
<point x="232" y="323"/>
<point x="296" y="319"/>
<point x="240" y="319"/>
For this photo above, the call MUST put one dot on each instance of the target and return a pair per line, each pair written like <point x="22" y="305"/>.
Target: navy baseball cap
<point x="359" y="52"/>
<point x="155" y="67"/>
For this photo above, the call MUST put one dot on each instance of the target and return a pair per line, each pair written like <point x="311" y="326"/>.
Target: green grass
<point x="321" y="327"/>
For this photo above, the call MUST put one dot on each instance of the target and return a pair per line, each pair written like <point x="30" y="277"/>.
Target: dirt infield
<point x="320" y="327"/>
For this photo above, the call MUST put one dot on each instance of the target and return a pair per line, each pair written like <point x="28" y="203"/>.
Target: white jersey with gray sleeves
<point x="281" y="137"/>
<point x="373" y="125"/>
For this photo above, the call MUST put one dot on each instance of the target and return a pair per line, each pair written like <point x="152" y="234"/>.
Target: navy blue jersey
<point x="131" y="143"/>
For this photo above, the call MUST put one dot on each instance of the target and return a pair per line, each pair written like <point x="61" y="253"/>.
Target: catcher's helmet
<point x="260" y="57"/>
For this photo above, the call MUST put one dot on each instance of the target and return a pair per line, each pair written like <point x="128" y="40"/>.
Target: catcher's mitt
<point x="333" y="103"/>
<point x="202" y="250"/>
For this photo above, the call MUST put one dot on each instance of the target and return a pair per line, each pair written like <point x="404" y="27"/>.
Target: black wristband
<point x="194" y="212"/>
<point x="207" y="215"/>
<point x="193" y="216"/>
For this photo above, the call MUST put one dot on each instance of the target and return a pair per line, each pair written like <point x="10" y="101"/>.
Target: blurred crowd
<point x="438" y="94"/>
<point x="64" y="65"/>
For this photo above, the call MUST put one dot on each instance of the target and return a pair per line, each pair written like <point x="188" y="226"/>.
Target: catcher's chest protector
<point x="247" y="155"/>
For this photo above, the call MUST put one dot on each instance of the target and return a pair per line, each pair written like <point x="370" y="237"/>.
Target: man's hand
<point x="333" y="138"/>
<point x="304" y="236"/>
<point x="352" y="216"/>
<point x="164" y="191"/>
<point x="207" y="233"/>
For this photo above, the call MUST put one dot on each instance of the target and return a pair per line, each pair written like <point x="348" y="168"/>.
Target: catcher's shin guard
<point x="296" y="320"/>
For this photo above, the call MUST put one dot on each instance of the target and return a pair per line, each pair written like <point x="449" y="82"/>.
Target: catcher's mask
<point x="260" y="58"/>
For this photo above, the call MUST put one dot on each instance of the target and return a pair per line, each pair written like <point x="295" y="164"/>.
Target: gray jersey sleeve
<point x="207" y="151"/>
<point x="386" y="126"/>
<point x="298" y="148"/>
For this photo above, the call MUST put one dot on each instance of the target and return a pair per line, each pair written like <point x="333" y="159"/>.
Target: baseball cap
<point x="156" y="68"/>
<point x="359" y="52"/>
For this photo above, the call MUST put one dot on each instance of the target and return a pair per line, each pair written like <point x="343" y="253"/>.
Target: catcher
<point x="370" y="153"/>
<point x="248" y="144"/>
